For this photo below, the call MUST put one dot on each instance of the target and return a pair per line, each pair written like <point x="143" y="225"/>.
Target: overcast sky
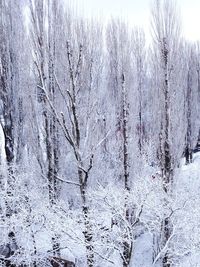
<point x="137" y="12"/>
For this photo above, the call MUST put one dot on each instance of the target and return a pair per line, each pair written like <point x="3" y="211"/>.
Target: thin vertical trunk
<point x="88" y="235"/>
<point x="198" y="81"/>
<point x="51" y="130"/>
<point x="141" y="133"/>
<point x="167" y="172"/>
<point x="127" y="246"/>
<point x="188" y="149"/>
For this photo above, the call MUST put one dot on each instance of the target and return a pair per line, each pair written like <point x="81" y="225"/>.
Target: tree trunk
<point x="167" y="169"/>
<point x="127" y="247"/>
<point x="88" y="234"/>
<point x="188" y="150"/>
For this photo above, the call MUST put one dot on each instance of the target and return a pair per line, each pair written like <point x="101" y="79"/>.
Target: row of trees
<point x="95" y="123"/>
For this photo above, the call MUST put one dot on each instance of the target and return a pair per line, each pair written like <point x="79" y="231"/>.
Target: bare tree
<point x="166" y="36"/>
<point x="44" y="48"/>
<point x="139" y="55"/>
<point x="120" y="71"/>
<point x="190" y="92"/>
<point x="80" y="71"/>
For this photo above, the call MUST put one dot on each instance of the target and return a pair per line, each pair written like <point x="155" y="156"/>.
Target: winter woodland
<point x="99" y="130"/>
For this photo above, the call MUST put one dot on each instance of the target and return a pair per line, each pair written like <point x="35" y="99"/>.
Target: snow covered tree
<point x="124" y="93"/>
<point x="140" y="58"/>
<point x="191" y="98"/>
<point x="167" y="41"/>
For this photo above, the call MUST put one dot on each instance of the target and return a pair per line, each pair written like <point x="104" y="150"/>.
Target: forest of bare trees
<point x="96" y="127"/>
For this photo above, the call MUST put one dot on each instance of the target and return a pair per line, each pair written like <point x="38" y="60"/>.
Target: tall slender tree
<point x="166" y="36"/>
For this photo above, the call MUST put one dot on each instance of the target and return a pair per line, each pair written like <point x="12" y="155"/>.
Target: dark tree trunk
<point x="188" y="150"/>
<point x="88" y="233"/>
<point x="166" y="157"/>
<point x="127" y="246"/>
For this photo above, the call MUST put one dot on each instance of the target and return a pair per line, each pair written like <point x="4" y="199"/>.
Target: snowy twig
<point x="62" y="180"/>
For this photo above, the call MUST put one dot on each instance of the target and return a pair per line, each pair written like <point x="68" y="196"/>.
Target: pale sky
<point x="137" y="12"/>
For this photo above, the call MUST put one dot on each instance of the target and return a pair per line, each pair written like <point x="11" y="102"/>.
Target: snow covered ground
<point x="186" y="221"/>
